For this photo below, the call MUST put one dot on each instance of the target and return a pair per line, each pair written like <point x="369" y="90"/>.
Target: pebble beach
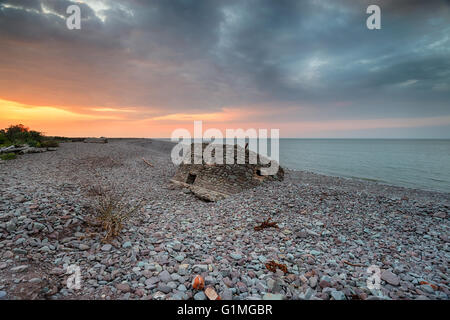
<point x="330" y="231"/>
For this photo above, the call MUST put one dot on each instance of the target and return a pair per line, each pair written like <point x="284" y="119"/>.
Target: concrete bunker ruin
<point x="213" y="182"/>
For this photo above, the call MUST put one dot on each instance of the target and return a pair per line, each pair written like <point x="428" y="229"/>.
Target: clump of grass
<point x="49" y="144"/>
<point x="34" y="144"/>
<point x="113" y="211"/>
<point x="8" y="156"/>
<point x="96" y="191"/>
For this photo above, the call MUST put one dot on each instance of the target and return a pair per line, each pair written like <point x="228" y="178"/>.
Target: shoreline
<point x="324" y="223"/>
<point x="369" y="180"/>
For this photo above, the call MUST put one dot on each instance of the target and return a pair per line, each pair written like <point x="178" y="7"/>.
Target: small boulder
<point x="390" y="278"/>
<point x="124" y="287"/>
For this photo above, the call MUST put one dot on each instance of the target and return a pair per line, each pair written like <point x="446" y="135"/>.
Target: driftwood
<point x="11" y="149"/>
<point x="352" y="264"/>
<point x="21" y="149"/>
<point x="266" y="224"/>
<point x="148" y="163"/>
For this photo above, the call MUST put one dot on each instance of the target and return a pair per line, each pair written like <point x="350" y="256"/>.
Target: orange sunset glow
<point x="86" y="122"/>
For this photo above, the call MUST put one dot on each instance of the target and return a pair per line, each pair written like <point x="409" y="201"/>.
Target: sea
<point x="413" y="163"/>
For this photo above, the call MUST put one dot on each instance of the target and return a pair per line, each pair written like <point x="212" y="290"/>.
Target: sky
<point x="142" y="68"/>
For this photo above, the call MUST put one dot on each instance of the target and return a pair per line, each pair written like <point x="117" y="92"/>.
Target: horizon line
<point x="326" y="138"/>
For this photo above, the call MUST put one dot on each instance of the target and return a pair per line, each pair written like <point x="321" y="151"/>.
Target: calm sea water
<point x="421" y="164"/>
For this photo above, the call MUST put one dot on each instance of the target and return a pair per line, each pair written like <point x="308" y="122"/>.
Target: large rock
<point x="124" y="287"/>
<point x="390" y="278"/>
<point x="165" y="276"/>
<point x="200" y="296"/>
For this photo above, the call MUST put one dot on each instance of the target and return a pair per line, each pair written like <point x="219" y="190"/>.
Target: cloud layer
<point x="279" y="61"/>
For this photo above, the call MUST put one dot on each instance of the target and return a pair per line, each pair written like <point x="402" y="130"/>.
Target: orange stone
<point x="198" y="283"/>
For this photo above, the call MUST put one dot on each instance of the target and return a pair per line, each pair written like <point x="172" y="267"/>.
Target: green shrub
<point x="33" y="143"/>
<point x="49" y="144"/>
<point x="19" y="134"/>
<point x="8" y="156"/>
<point x="16" y="132"/>
<point x="3" y="139"/>
<point x="6" y="144"/>
<point x="35" y="135"/>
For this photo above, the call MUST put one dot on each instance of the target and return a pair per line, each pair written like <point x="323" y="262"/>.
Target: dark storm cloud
<point x="25" y="21"/>
<point x="205" y="55"/>
<point x="25" y="4"/>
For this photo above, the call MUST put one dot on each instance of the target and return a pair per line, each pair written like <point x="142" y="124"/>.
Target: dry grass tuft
<point x="113" y="211"/>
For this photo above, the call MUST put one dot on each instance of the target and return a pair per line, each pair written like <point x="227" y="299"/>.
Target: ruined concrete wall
<point x="227" y="179"/>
